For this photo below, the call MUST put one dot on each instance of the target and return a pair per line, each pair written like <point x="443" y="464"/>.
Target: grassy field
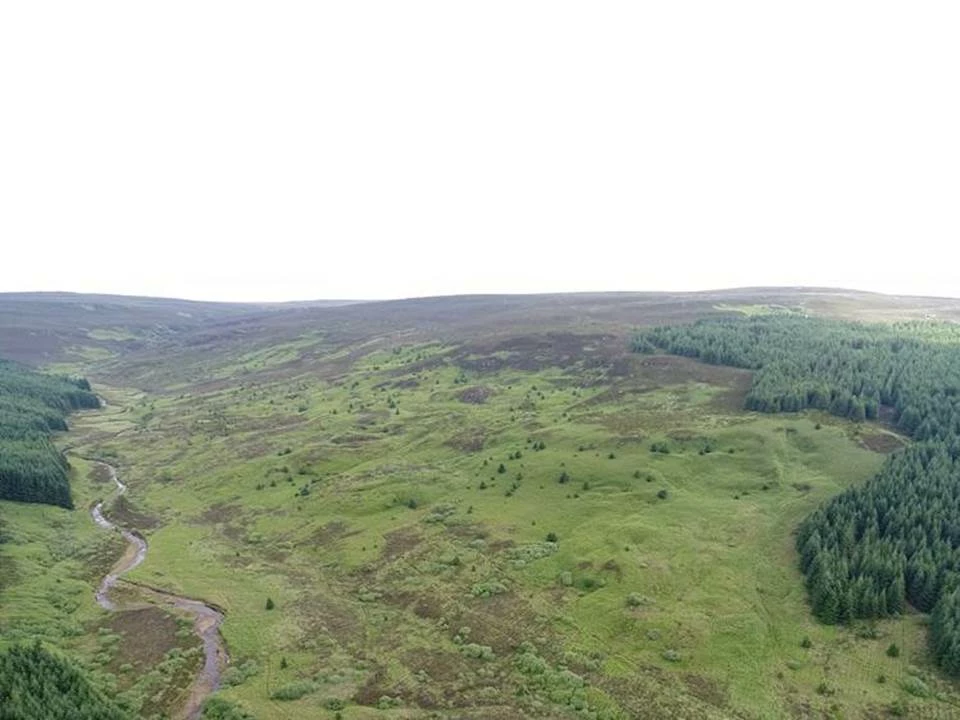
<point x="488" y="534"/>
<point x="488" y="509"/>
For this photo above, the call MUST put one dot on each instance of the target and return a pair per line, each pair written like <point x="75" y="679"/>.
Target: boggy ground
<point x="480" y="529"/>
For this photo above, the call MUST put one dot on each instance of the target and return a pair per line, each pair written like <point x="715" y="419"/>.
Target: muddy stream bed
<point x="206" y="619"/>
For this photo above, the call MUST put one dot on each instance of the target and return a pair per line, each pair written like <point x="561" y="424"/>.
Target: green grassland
<point x="486" y="532"/>
<point x="51" y="559"/>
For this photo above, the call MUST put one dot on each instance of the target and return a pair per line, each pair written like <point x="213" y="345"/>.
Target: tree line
<point x="33" y="406"/>
<point x="896" y="538"/>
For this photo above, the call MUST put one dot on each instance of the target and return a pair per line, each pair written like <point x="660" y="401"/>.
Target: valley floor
<point x="510" y="532"/>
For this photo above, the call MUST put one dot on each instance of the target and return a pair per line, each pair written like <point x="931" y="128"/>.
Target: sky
<point x="300" y="150"/>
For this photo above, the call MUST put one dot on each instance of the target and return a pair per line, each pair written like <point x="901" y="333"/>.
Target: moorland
<point x="469" y="507"/>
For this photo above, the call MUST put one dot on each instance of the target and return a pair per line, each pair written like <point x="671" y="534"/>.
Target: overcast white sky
<point x="295" y="150"/>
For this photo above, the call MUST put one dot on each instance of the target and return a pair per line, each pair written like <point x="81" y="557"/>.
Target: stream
<point x="206" y="619"/>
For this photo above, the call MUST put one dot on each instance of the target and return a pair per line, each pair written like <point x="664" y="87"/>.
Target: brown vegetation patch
<point x="427" y="606"/>
<point x="124" y="513"/>
<point x="406" y="384"/>
<point x="501" y="545"/>
<point x="649" y="695"/>
<point x="535" y="352"/>
<point x="235" y="532"/>
<point x="881" y="442"/>
<point x="469" y="531"/>
<point x="373" y="689"/>
<point x="321" y="615"/>
<point x="501" y="621"/>
<point x="470" y="440"/>
<point x="657" y="371"/>
<point x="148" y="634"/>
<point x="612" y="566"/>
<point x="398" y="542"/>
<point x="331" y="532"/>
<point x="100" y="474"/>
<point x="439" y="665"/>
<point x="353" y="439"/>
<point x="100" y="558"/>
<point x="476" y="395"/>
<point x="220" y="513"/>
<point x="706" y="689"/>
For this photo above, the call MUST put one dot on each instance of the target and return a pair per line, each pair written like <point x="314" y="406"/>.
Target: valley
<point x="464" y="508"/>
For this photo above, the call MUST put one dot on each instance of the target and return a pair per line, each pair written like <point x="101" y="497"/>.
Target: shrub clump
<point x="294" y="690"/>
<point x="478" y="652"/>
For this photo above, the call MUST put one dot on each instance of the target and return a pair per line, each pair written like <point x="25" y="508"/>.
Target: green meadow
<point x="428" y="532"/>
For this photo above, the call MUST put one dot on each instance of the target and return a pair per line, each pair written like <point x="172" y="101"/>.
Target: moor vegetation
<point x="896" y="538"/>
<point x="490" y="507"/>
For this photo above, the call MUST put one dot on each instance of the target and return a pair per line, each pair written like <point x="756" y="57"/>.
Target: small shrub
<point x="552" y="537"/>
<point x="806" y="643"/>
<point x="898" y="708"/>
<point x="916" y="687"/>
<point x="294" y="690"/>
<point x="488" y="589"/>
<point x="893" y="651"/>
<point x="662" y="494"/>
<point x="478" y="652"/>
<point x="269" y="604"/>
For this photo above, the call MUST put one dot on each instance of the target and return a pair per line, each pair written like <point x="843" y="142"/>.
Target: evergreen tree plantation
<point x="35" y="683"/>
<point x="32" y="407"/>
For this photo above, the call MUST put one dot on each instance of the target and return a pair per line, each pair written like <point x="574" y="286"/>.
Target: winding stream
<point x="206" y="619"/>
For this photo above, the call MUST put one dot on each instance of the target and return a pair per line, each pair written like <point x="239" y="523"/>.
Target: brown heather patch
<point x="99" y="474"/>
<point x="470" y="440"/>
<point x="706" y="689"/>
<point x="148" y="633"/>
<point x="219" y="513"/>
<point x="321" y="615"/>
<point x="331" y="532"/>
<point x="400" y="541"/>
<point x="124" y="513"/>
<point x="881" y="442"/>
<point x="475" y="395"/>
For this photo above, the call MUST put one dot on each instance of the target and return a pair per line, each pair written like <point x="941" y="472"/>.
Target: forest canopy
<point x="33" y="406"/>
<point x="896" y="538"/>
<point x="35" y="683"/>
